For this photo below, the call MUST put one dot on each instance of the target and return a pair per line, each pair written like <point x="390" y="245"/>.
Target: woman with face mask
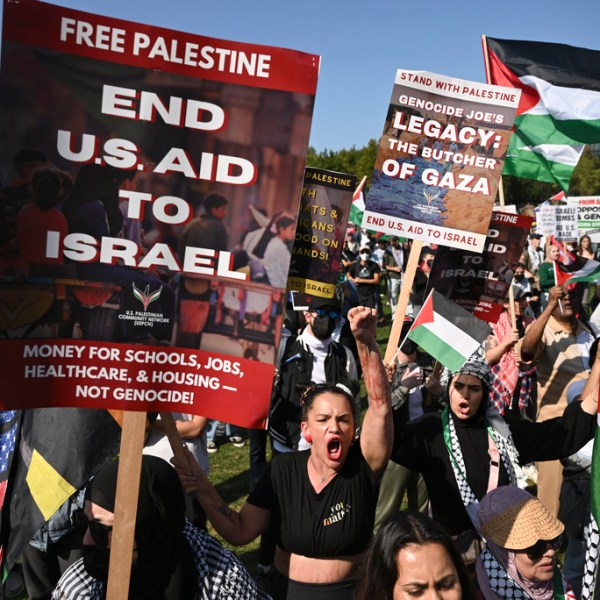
<point x="172" y="560"/>
<point x="365" y="274"/>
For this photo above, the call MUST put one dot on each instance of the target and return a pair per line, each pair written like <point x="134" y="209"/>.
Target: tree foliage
<point x="355" y="161"/>
<point x="586" y="178"/>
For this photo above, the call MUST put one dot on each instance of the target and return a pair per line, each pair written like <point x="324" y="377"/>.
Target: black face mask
<point x="323" y="326"/>
<point x="95" y="561"/>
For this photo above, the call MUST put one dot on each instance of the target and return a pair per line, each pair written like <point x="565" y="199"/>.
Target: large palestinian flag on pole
<point x="559" y="111"/>
<point x="448" y="332"/>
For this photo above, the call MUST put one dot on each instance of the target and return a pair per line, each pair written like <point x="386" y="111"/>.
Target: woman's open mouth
<point x="334" y="448"/>
<point x="464" y="408"/>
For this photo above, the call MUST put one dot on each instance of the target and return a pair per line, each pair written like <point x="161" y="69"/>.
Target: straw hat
<point x="514" y="519"/>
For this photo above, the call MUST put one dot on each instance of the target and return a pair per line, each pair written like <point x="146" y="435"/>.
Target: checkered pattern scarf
<point x="590" y="571"/>
<point x="503" y="585"/>
<point x="502" y="397"/>
<point x="221" y="574"/>
<point x="500" y="433"/>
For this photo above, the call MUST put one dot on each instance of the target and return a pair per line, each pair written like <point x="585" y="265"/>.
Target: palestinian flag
<point x="357" y="208"/>
<point x="559" y="111"/>
<point x="448" y="332"/>
<point x="581" y="270"/>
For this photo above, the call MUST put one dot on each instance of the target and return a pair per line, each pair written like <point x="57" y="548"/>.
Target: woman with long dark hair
<point x="411" y="556"/>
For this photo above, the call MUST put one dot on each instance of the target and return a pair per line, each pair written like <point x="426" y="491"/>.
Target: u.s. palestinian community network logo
<point x="144" y="318"/>
<point x="146" y="297"/>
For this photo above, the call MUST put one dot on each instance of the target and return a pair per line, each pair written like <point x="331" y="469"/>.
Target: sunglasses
<point x="323" y="312"/>
<point x="538" y="550"/>
<point x="100" y="533"/>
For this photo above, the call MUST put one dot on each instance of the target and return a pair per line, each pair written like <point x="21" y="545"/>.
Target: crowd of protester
<point x="457" y="448"/>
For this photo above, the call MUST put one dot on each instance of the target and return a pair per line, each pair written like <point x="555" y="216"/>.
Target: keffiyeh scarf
<point x="500" y="582"/>
<point x="498" y="430"/>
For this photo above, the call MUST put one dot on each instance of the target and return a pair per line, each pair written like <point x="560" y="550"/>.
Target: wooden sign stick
<point x="407" y="283"/>
<point x="173" y="435"/>
<point x="511" y="293"/>
<point x="128" y="489"/>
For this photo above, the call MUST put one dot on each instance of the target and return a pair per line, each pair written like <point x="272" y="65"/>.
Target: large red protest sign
<point x="440" y="159"/>
<point x="479" y="282"/>
<point x="146" y="163"/>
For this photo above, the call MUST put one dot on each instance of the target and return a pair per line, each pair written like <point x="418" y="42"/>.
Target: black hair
<point x="426" y="250"/>
<point x="593" y="351"/>
<point x="312" y="392"/>
<point x="283" y="222"/>
<point x="25" y="158"/>
<point x="96" y="182"/>
<point x="214" y="201"/>
<point x="45" y="188"/>
<point x="402" y="529"/>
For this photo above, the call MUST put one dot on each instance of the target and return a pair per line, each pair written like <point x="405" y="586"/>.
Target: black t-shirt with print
<point x="338" y="521"/>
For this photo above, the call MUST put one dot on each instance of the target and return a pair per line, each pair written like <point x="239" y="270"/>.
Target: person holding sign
<point x="321" y="501"/>
<point x="469" y="449"/>
<point x="172" y="559"/>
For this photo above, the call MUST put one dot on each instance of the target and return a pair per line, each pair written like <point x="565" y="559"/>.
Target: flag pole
<point x="486" y="58"/>
<point x="360" y="185"/>
<point x="511" y="294"/>
<point x="128" y="489"/>
<point x="555" y="267"/>
<point x="407" y="283"/>
<point x="173" y="436"/>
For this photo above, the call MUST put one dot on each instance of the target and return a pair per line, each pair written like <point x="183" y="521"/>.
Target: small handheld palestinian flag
<point x="448" y="332"/>
<point x="357" y="208"/>
<point x="581" y="270"/>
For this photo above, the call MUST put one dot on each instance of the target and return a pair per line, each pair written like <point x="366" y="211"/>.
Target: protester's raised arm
<point x="589" y="395"/>
<point x="534" y="333"/>
<point x="377" y="429"/>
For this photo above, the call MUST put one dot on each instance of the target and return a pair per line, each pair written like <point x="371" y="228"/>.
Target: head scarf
<point x="498" y="560"/>
<point x="497" y="429"/>
<point x="164" y="567"/>
<point x="477" y="367"/>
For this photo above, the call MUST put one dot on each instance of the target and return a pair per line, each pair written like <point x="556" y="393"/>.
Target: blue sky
<point x="363" y="43"/>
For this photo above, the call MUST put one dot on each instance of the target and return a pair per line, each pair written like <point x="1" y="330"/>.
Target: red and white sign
<point x="150" y="163"/>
